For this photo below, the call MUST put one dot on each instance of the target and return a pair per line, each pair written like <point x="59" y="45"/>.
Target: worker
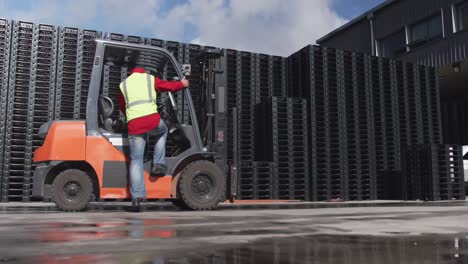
<point x="137" y="101"/>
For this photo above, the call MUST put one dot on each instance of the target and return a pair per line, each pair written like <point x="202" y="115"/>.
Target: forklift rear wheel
<point x="201" y="185"/>
<point x="72" y="190"/>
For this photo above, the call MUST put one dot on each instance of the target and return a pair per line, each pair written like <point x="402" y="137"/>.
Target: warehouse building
<point x="428" y="32"/>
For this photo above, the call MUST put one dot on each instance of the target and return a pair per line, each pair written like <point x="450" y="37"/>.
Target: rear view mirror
<point x="186" y="69"/>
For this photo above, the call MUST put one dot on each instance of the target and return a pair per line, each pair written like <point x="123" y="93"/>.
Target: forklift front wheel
<point x="72" y="190"/>
<point x="201" y="185"/>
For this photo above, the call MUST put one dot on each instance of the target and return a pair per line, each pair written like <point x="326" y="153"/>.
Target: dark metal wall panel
<point x="356" y="38"/>
<point x="393" y="18"/>
<point x="451" y="49"/>
<point x="406" y="12"/>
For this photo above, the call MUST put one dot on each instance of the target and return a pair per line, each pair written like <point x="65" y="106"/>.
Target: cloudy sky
<point x="278" y="27"/>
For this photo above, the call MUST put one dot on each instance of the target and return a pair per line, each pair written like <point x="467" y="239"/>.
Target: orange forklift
<point x="87" y="160"/>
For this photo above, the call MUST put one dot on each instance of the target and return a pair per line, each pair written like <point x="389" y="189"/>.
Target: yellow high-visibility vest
<point x="140" y="95"/>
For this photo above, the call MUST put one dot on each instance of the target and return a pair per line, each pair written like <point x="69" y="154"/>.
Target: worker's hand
<point x="185" y="83"/>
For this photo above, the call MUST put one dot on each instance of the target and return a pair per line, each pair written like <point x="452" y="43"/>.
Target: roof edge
<point x="355" y="20"/>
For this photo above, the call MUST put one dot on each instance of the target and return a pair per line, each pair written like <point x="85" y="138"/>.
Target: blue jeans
<point x="137" y="151"/>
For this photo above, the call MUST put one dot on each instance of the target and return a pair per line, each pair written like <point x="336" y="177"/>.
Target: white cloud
<point x="267" y="26"/>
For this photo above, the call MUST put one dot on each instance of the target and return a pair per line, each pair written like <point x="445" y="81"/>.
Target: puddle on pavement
<point x="310" y="249"/>
<point x="149" y="206"/>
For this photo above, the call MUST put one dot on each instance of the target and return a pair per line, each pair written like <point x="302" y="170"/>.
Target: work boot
<point x="158" y="170"/>
<point x="136" y="207"/>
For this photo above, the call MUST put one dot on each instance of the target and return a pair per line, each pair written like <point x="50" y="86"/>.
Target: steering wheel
<point x="169" y="115"/>
<point x="106" y="107"/>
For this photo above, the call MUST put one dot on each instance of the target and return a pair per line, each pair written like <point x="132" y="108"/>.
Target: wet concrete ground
<point x="384" y="232"/>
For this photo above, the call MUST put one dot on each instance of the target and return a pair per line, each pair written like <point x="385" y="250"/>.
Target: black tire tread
<point x="84" y="180"/>
<point x="187" y="172"/>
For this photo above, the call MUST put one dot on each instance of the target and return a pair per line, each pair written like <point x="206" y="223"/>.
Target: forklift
<point x="88" y="160"/>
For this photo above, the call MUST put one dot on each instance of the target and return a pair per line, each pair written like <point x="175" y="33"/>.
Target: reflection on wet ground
<point x="167" y="206"/>
<point x="236" y="234"/>
<point x="307" y="249"/>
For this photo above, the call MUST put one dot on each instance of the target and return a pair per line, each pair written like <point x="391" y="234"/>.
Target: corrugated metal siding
<point x="356" y="38"/>
<point x="451" y="49"/>
<point x="406" y="12"/>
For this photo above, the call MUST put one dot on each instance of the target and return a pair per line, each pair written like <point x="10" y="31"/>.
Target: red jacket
<point x="146" y="123"/>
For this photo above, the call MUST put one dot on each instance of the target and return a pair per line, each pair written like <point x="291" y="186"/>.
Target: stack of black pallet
<point x="251" y="79"/>
<point x="431" y="172"/>
<point x="245" y="108"/>
<point x="192" y="54"/>
<point x="281" y="146"/>
<point x="363" y="111"/>
<point x="230" y="79"/>
<point x="5" y="39"/>
<point x="44" y="101"/>
<point x="29" y="104"/>
<point x="113" y="76"/>
<point x="86" y="51"/>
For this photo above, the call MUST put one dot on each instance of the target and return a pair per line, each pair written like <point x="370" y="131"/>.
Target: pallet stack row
<point x="30" y="103"/>
<point x="281" y="139"/>
<point x="5" y="40"/>
<point x="321" y="124"/>
<point x="430" y="172"/>
<point x="362" y="111"/>
<point x="251" y="78"/>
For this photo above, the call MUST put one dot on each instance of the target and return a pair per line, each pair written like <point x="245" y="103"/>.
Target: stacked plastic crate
<point x="434" y="111"/>
<point x="352" y="127"/>
<point x="278" y="75"/>
<point x="317" y="121"/>
<point x="32" y="66"/>
<point x="263" y="80"/>
<point x="18" y="112"/>
<point x="265" y="171"/>
<point x="389" y="118"/>
<point x="306" y="79"/>
<point x="5" y="38"/>
<point x="283" y="148"/>
<point x="334" y="133"/>
<point x="191" y="52"/>
<point x="45" y="80"/>
<point x="366" y="151"/>
<point x="246" y="69"/>
<point x="379" y="136"/>
<point x="298" y="156"/>
<point x="67" y="99"/>
<point x="231" y="73"/>
<point x="430" y="106"/>
<point x="177" y="50"/>
<point x="86" y="50"/>
<point x="274" y="132"/>
<point x="414" y="104"/>
<point x="433" y="172"/>
<point x="451" y="173"/>
<point x="113" y="76"/>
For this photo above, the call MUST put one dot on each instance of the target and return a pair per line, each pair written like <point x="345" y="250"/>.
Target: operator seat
<point x="106" y="108"/>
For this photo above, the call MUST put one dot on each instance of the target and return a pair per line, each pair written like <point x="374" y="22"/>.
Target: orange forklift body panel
<point x="65" y="141"/>
<point x="102" y="150"/>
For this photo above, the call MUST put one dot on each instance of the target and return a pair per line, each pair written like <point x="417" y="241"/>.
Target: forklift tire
<point x="201" y="185"/>
<point x="72" y="190"/>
